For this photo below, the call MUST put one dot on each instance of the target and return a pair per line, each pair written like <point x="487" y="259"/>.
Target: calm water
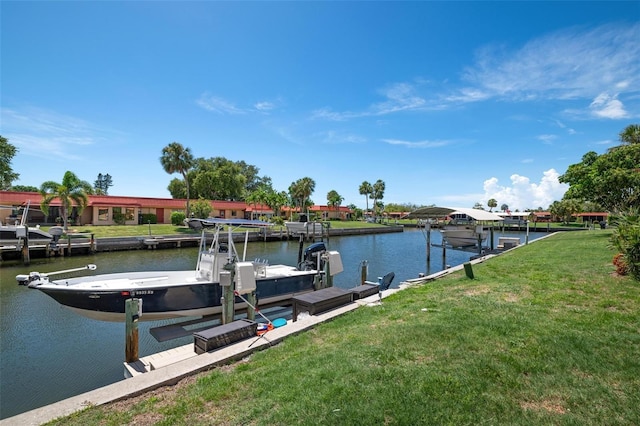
<point x="48" y="353"/>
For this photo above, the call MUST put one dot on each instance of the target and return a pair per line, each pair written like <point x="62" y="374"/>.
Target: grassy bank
<point x="168" y="229"/>
<point x="545" y="334"/>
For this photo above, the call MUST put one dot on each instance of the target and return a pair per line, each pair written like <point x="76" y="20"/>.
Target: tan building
<point x="101" y="209"/>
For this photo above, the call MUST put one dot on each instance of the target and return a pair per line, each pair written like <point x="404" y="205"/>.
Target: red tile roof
<point x="20" y="198"/>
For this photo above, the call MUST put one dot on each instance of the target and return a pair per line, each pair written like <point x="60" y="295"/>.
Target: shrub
<point x="119" y="218"/>
<point x="626" y="239"/>
<point x="201" y="208"/>
<point x="621" y="266"/>
<point x="149" y="218"/>
<point x="177" y="218"/>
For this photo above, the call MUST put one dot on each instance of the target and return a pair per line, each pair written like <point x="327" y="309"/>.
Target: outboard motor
<point x="311" y="255"/>
<point x="32" y="280"/>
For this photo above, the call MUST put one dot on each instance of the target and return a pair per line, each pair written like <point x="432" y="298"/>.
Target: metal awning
<point x="199" y="224"/>
<point x="439" y="212"/>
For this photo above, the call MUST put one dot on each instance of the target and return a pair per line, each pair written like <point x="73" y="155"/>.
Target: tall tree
<point x="71" y="190"/>
<point x="492" y="203"/>
<point x="7" y="175"/>
<point x="612" y="179"/>
<point x="504" y="207"/>
<point x="366" y="189"/>
<point x="334" y="200"/>
<point x="630" y="135"/>
<point x="102" y="184"/>
<point x="565" y="209"/>
<point x="178" y="159"/>
<point x="277" y="200"/>
<point x="301" y="190"/>
<point x="377" y="193"/>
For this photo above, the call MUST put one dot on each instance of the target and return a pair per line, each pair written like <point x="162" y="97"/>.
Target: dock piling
<point x="133" y="311"/>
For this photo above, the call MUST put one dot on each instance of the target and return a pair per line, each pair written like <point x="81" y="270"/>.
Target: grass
<point x="546" y="334"/>
<point x="105" y="231"/>
<point x="168" y="229"/>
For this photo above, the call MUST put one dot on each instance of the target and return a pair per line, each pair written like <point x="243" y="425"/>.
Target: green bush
<point x="201" y="209"/>
<point x="177" y="218"/>
<point x="118" y="218"/>
<point x="149" y="218"/>
<point x="278" y="220"/>
<point x="626" y="239"/>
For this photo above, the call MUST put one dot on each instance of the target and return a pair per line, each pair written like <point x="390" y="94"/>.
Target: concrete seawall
<point x="83" y="244"/>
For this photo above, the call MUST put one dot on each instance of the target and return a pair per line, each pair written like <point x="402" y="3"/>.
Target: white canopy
<point x="435" y="212"/>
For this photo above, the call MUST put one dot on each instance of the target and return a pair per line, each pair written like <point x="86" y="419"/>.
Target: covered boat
<point x="465" y="226"/>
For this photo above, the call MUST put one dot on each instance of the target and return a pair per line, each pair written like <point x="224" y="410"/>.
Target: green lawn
<point x="545" y="334"/>
<point x="168" y="229"/>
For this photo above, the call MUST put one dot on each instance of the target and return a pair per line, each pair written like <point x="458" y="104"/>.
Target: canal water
<point x="48" y="353"/>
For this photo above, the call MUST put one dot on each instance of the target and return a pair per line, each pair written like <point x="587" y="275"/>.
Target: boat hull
<point x="9" y="236"/>
<point x="463" y="237"/>
<point x="181" y="298"/>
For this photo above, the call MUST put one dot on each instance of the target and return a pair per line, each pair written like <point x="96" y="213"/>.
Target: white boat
<point x="174" y="294"/>
<point x="465" y="227"/>
<point x="14" y="235"/>
<point x="463" y="236"/>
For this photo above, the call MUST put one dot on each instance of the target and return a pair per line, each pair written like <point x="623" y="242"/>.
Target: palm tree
<point x="178" y="159"/>
<point x="504" y="207"/>
<point x="70" y="190"/>
<point x="334" y="200"/>
<point x="492" y="203"/>
<point x="630" y="135"/>
<point x="377" y="193"/>
<point x="366" y="189"/>
<point x="301" y="190"/>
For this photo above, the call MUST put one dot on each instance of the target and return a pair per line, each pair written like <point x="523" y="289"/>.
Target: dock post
<point x="444" y="257"/>
<point x="428" y="229"/>
<point x="92" y="244"/>
<point x="26" y="256"/>
<point x="228" y="296"/>
<point x="251" y="306"/>
<point x="133" y="310"/>
<point x="492" y="243"/>
<point x="327" y="275"/>
<point x="363" y="272"/>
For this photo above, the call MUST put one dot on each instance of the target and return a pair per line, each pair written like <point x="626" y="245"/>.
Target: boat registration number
<point x="141" y="292"/>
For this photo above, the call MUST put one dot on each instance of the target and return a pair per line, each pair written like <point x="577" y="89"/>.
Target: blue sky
<point x="448" y="103"/>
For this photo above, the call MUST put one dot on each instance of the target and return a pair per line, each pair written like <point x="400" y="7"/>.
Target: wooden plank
<point x="320" y="301"/>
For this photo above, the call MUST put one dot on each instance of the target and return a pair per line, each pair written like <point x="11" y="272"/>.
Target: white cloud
<point x="217" y="104"/>
<point x="547" y="139"/>
<point x="399" y="97"/>
<point x="607" y="106"/>
<point x="47" y="134"/>
<point x="264" y="106"/>
<point x="567" y="64"/>
<point x="418" y="144"/>
<point x="564" y="65"/>
<point x="523" y="194"/>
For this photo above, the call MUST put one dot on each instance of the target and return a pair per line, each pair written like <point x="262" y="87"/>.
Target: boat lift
<point x="426" y="216"/>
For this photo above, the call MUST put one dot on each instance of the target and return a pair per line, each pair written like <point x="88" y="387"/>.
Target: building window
<point x="103" y="215"/>
<point x="129" y="215"/>
<point x="233" y="213"/>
